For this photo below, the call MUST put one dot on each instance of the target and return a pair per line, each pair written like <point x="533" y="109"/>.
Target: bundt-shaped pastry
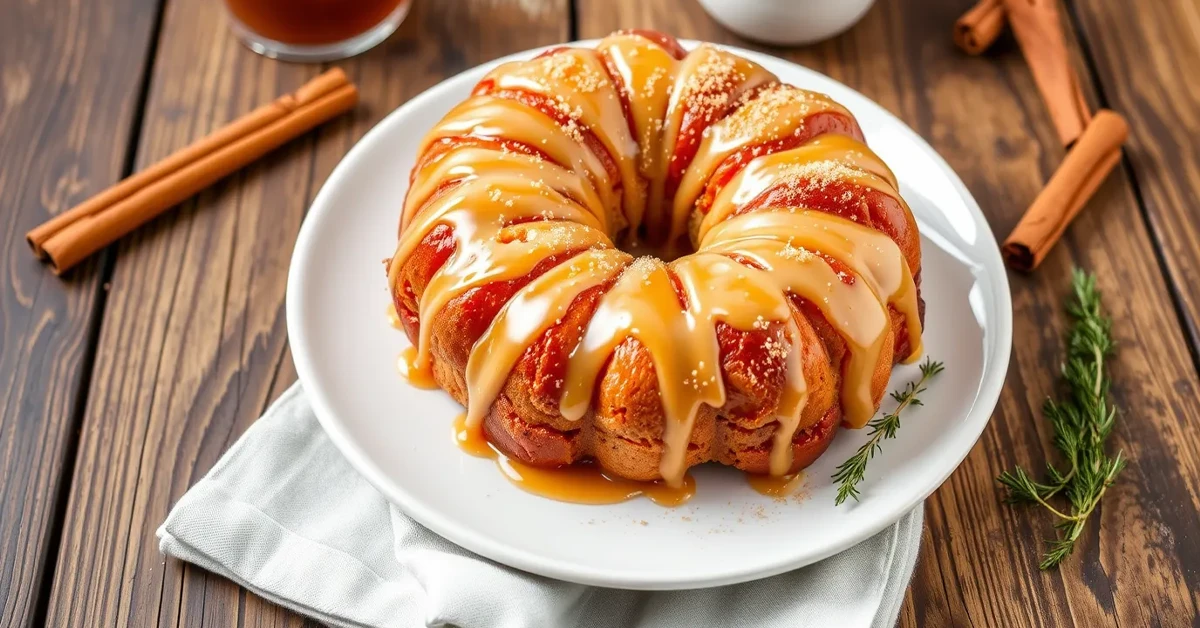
<point x="785" y="321"/>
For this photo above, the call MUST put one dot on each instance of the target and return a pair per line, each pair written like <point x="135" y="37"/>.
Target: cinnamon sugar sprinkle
<point x="709" y="87"/>
<point x="776" y="109"/>
<point x="566" y="66"/>
<point x="814" y="176"/>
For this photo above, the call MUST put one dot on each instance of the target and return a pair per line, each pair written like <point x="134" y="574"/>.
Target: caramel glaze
<point x="405" y="362"/>
<point x="583" y="483"/>
<point x="799" y="232"/>
<point x="777" y="486"/>
<point x="416" y="376"/>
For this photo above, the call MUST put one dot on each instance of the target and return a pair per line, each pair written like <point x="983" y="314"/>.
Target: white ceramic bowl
<point x="787" y="22"/>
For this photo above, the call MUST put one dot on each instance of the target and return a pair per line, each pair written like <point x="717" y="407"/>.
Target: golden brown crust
<point x="623" y="430"/>
<point x="624" y="426"/>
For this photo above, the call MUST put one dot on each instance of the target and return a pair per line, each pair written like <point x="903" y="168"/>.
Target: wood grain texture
<point x="1144" y="55"/>
<point x="978" y="567"/>
<point x="193" y="341"/>
<point x="56" y="91"/>
<point x="193" y="346"/>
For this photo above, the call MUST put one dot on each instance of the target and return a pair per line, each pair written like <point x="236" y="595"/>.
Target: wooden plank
<point x="65" y="120"/>
<point x="1143" y="55"/>
<point x="193" y="345"/>
<point x="1140" y="55"/>
<point x="979" y="562"/>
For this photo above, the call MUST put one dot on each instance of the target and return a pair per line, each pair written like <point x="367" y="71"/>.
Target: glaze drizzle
<point x="564" y="154"/>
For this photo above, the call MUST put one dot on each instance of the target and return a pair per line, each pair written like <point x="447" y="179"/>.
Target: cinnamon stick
<point x="1039" y="33"/>
<point x="979" y="27"/>
<point x="70" y="237"/>
<point x="1086" y="165"/>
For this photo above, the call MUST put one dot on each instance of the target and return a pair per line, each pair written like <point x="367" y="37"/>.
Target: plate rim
<point x="987" y="396"/>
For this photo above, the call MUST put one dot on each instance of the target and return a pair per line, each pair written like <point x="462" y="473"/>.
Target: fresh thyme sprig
<point x="851" y="472"/>
<point x="1082" y="422"/>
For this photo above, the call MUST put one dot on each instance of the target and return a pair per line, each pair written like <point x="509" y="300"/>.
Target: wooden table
<point x="123" y="383"/>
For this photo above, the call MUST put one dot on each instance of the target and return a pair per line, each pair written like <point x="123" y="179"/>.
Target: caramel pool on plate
<point x="582" y="483"/>
<point x="418" y="377"/>
<point x="777" y="486"/>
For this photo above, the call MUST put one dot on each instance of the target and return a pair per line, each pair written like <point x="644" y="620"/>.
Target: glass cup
<point x="314" y="30"/>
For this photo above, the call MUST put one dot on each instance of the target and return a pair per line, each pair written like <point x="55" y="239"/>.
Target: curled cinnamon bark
<point x="72" y="236"/>
<point x="1039" y="32"/>
<point x="979" y="27"/>
<point x="1082" y="171"/>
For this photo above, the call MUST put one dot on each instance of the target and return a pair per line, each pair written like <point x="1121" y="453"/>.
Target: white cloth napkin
<point x="285" y="515"/>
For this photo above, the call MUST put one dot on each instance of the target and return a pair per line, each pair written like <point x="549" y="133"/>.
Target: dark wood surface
<point x="1141" y="59"/>
<point x="65" y="124"/>
<point x="123" y="384"/>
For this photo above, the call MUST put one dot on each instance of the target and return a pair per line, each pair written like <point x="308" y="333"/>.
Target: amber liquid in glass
<point x="311" y="22"/>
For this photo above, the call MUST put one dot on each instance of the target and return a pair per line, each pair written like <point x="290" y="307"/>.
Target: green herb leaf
<point x="852" y="471"/>
<point x="1082" y="422"/>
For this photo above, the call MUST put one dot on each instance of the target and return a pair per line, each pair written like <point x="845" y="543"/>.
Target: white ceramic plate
<point x="399" y="436"/>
